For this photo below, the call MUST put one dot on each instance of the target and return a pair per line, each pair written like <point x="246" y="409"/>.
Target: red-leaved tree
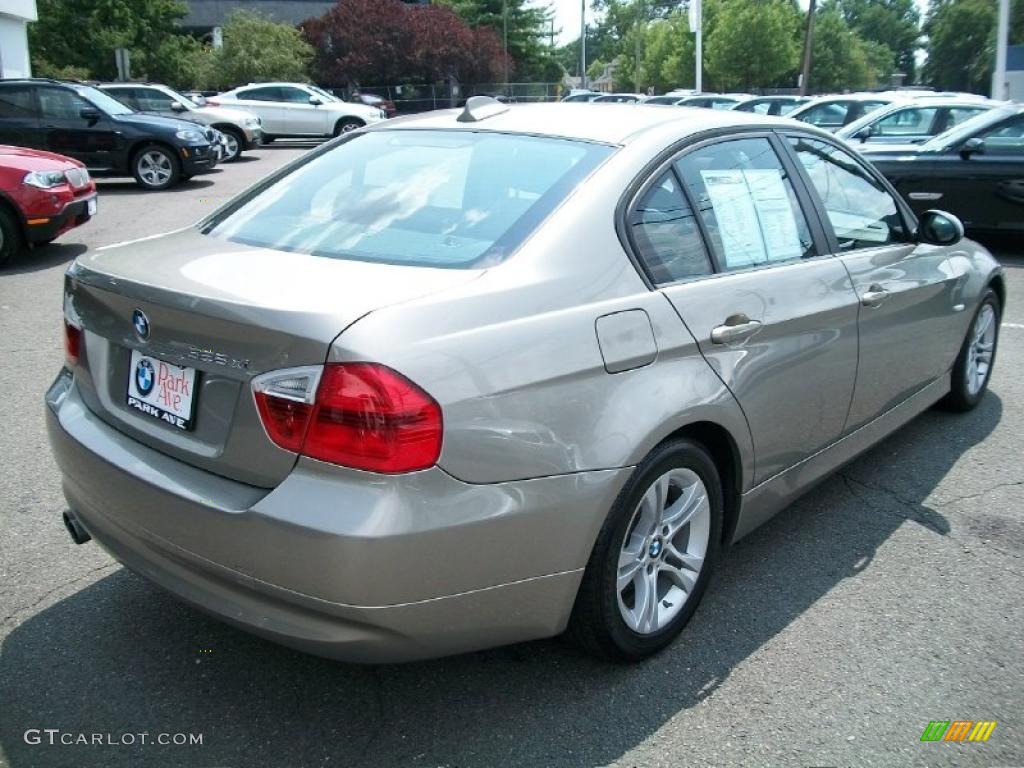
<point x="377" y="42"/>
<point x="361" y="41"/>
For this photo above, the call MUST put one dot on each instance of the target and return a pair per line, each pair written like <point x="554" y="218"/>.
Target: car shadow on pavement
<point x="122" y="657"/>
<point x="44" y="257"/>
<point x="107" y="187"/>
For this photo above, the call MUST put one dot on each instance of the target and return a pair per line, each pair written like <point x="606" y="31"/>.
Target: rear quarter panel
<point x="514" y="361"/>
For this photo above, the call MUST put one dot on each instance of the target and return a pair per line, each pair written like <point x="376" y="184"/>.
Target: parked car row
<point x="56" y="135"/>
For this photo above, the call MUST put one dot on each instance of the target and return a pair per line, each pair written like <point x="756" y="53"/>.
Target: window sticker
<point x="755" y="219"/>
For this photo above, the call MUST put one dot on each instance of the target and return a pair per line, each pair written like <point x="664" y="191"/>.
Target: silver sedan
<point x="482" y="376"/>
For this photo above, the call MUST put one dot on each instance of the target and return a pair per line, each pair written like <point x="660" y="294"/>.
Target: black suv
<point x="91" y="126"/>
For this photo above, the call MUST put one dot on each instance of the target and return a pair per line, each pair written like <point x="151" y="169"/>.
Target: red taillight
<point x="72" y="343"/>
<point x="365" y="416"/>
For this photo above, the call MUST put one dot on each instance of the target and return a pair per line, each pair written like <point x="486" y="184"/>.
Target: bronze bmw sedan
<point x="480" y="376"/>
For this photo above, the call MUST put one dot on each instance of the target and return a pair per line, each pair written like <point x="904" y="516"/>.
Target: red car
<point x="42" y="196"/>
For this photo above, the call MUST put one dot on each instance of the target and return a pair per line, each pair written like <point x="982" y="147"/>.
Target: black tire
<point x="151" y="182"/>
<point x="347" y="124"/>
<point x="11" y="239"/>
<point x="960" y="397"/>
<point x="597" y="623"/>
<point x="239" y="138"/>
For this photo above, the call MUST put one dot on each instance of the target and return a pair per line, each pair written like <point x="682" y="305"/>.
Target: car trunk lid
<point x="230" y="312"/>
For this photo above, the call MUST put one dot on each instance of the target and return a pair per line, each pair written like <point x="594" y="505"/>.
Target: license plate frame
<point x="163" y="391"/>
<point x="90" y="207"/>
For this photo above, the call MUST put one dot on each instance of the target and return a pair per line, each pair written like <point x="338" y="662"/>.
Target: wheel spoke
<point x="690" y="504"/>
<point x="681" y="577"/>
<point x="647" y="608"/>
<point x="685" y="559"/>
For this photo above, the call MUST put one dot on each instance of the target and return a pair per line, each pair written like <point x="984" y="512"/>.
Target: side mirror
<point x="939" y="228"/>
<point x="973" y="146"/>
<point x="864" y="133"/>
<point x="316" y="101"/>
<point x="89" y="113"/>
<point x="177" y="106"/>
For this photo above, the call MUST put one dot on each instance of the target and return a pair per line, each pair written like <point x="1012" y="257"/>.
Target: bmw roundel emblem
<point x="141" y="324"/>
<point x="144" y="377"/>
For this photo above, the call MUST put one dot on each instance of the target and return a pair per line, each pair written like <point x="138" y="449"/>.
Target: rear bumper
<point x="340" y="563"/>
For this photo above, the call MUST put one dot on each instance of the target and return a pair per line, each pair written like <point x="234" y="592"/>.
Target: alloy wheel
<point x="231" y="145"/>
<point x="663" y="551"/>
<point x="155" y="168"/>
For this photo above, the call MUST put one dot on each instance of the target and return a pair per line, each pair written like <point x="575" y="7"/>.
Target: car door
<point x="909" y="322"/>
<point x="93" y="141"/>
<point x="301" y="117"/>
<point x="19" y="118"/>
<point x="775" y="320"/>
<point x="981" y="180"/>
<point x="265" y="102"/>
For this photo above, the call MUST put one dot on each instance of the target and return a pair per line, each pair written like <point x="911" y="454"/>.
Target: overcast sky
<point x="567" y="15"/>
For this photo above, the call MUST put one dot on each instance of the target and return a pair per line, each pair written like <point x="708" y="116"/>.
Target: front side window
<point x="152" y="100"/>
<point x="61" y="104"/>
<point x="747" y="203"/>
<point x="666" y="233"/>
<point x="295" y="95"/>
<point x="1005" y="138"/>
<point x="862" y="212"/>
<point x="419" y="197"/>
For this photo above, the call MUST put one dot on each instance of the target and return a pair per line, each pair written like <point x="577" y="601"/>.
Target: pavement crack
<point x="49" y="593"/>
<point x="979" y="494"/>
<point x="915" y="510"/>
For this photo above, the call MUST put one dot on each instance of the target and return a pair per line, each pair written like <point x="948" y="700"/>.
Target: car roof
<point x="615" y="124"/>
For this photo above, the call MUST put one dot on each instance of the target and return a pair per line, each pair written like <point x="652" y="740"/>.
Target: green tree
<point x="892" y="23"/>
<point x="258" y="48"/>
<point x="840" y="58"/>
<point x="961" y="34"/>
<point x="753" y="44"/>
<point x="182" y="62"/>
<point x="529" y="34"/>
<point x="83" y="35"/>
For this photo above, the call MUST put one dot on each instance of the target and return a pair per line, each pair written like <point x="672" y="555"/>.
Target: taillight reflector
<point x="364" y="415"/>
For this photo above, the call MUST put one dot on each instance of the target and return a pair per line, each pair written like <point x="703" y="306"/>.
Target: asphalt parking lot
<point x="888" y="597"/>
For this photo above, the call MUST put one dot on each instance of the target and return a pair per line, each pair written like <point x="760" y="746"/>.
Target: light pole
<point x="504" y="25"/>
<point x="805" y="76"/>
<point x="583" y="45"/>
<point x="696" y="14"/>
<point x="999" y="74"/>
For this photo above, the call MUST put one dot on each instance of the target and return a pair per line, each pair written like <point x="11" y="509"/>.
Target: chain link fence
<point x="422" y="97"/>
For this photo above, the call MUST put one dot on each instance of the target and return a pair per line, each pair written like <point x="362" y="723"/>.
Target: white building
<point x="14" y="18"/>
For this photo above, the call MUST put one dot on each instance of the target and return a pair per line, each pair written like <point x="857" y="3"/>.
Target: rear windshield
<point x="419" y="197"/>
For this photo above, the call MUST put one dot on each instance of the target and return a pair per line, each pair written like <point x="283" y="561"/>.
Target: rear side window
<point x="916" y="121"/>
<point x="16" y="102"/>
<point x="747" y="203"/>
<point x="862" y="212"/>
<point x="666" y="234"/>
<point x="152" y="100"/>
<point x="828" y="115"/>
<point x="419" y="197"/>
<point x="261" y="94"/>
<point x="957" y="115"/>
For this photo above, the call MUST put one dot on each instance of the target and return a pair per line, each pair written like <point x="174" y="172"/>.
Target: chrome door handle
<point x="736" y="328"/>
<point x="874" y="296"/>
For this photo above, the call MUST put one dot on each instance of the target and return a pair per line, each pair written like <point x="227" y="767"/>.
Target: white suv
<point x="298" y="110"/>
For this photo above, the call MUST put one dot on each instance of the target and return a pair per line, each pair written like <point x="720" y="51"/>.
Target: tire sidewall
<point x="10" y="245"/>
<point x="960" y="390"/>
<point x="339" y="127"/>
<point x="175" y="168"/>
<point x="628" y="643"/>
